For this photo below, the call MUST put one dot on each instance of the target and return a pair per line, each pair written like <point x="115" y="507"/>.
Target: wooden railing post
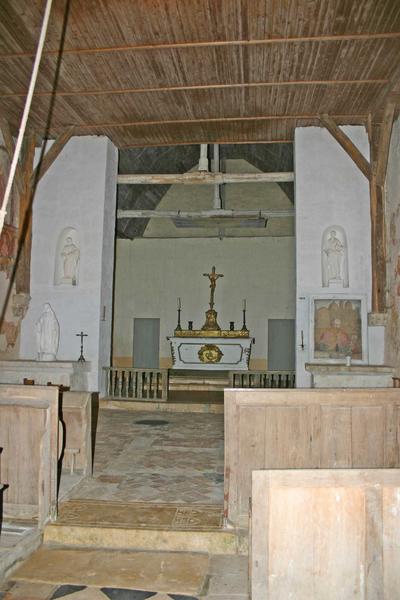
<point x="137" y="384"/>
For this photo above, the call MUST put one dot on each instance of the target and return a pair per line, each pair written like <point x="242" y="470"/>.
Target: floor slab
<point x="169" y="572"/>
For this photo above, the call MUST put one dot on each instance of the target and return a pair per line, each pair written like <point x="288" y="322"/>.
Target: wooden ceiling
<point x="164" y="72"/>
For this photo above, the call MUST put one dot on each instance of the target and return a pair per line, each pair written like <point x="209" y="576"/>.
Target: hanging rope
<point x="25" y="115"/>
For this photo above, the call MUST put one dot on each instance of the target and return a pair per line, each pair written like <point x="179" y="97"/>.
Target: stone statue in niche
<point x="334" y="258"/>
<point x="47" y="334"/>
<point x="70" y="256"/>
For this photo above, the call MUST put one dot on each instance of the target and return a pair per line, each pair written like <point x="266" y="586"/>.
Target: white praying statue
<point x="70" y="254"/>
<point x="47" y="334"/>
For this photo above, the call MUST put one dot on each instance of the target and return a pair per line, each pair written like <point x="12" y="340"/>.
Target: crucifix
<point x="213" y="276"/>
<point x="81" y="335"/>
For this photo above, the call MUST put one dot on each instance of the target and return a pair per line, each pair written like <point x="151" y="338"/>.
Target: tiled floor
<point x="42" y="591"/>
<point x="178" y="461"/>
<point x="137" y="515"/>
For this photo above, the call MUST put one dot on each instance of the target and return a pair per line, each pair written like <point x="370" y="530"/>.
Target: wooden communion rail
<point x="136" y="384"/>
<point x="262" y="379"/>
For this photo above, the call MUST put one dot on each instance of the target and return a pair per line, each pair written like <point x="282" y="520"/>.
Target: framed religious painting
<point x="338" y="328"/>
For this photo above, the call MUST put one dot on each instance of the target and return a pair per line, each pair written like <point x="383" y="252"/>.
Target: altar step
<point x="198" y="381"/>
<point x="144" y="527"/>
<point x="180" y="401"/>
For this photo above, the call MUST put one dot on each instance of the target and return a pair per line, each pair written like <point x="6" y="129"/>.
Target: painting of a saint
<point x="337" y="329"/>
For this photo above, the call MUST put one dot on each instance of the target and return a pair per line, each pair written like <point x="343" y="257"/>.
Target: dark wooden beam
<point x="23" y="260"/>
<point x="10" y="146"/>
<point x="384" y="143"/>
<point x="347" y="145"/>
<point x="378" y="246"/>
<point x="51" y="155"/>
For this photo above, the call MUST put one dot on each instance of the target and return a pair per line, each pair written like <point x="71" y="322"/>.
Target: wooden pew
<point x="325" y="534"/>
<point x="305" y="429"/>
<point x="76" y="414"/>
<point x="29" y="438"/>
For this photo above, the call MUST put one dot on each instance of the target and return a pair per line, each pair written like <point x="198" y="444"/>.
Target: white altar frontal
<point x="211" y="348"/>
<point x="211" y="353"/>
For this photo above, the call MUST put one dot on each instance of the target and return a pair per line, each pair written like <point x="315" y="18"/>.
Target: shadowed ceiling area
<point x="166" y="72"/>
<point x="180" y="159"/>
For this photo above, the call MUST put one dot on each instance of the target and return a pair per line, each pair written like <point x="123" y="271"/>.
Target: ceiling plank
<point x="211" y="44"/>
<point x="384" y="143"/>
<point x="51" y="155"/>
<point x="347" y="145"/>
<point x="178" y="88"/>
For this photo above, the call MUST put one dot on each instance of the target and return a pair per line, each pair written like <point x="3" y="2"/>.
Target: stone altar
<point x="211" y="352"/>
<point x="211" y="348"/>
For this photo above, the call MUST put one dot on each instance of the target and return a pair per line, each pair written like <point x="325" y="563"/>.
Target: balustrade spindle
<point x="262" y="379"/>
<point x="137" y="384"/>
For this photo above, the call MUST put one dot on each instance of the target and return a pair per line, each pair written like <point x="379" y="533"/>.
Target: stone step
<point x="144" y="526"/>
<point x="197" y="384"/>
<point x="195" y="401"/>
<point x="179" y="407"/>
<point x="98" y="573"/>
<point x="166" y="540"/>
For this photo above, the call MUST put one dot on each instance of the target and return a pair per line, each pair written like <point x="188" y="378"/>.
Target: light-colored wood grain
<point x="330" y="534"/>
<point x="368" y="436"/>
<point x="29" y="438"/>
<point x="313" y="428"/>
<point x="76" y="414"/>
<point x="288" y="61"/>
<point x="336" y="437"/>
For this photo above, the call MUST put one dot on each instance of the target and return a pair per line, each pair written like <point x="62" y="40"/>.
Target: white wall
<point x="78" y="191"/>
<point x="151" y="274"/>
<point x="330" y="190"/>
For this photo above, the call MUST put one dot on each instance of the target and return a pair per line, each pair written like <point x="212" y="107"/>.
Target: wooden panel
<point x="293" y="425"/>
<point x="336" y="437"/>
<point x="251" y="444"/>
<point x="325" y="534"/>
<point x="313" y="428"/>
<point x="26" y="423"/>
<point x="77" y="417"/>
<point x="29" y="438"/>
<point x="367" y="433"/>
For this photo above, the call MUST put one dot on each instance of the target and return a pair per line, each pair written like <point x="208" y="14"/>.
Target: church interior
<point x="200" y="299"/>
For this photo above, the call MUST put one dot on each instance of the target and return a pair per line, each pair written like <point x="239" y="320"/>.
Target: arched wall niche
<point x="334" y="257"/>
<point x="67" y="258"/>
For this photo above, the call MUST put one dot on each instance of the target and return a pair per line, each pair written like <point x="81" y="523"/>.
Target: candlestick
<point x="178" y="327"/>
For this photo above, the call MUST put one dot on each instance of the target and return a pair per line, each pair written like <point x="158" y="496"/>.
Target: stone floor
<point x="82" y="574"/>
<point x="167" y="476"/>
<point x="180" y="460"/>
